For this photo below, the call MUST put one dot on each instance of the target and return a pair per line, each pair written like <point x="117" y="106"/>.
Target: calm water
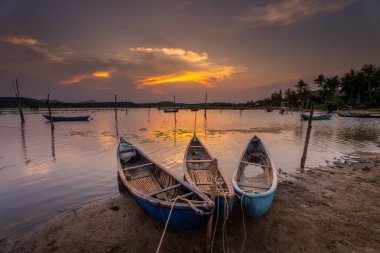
<point x="43" y="173"/>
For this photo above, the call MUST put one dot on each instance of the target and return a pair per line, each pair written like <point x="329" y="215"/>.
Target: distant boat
<point x="197" y="167"/>
<point x="194" y="109"/>
<point x="354" y="114"/>
<point x="269" y="109"/>
<point x="65" y="118"/>
<point x="375" y="116"/>
<point x="171" y="110"/>
<point x="318" y="117"/>
<point x="255" y="180"/>
<point x="157" y="191"/>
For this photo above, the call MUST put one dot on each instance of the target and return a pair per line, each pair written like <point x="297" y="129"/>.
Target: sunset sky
<point x="149" y="51"/>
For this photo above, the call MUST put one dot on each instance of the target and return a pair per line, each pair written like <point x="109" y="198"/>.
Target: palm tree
<point x="369" y="72"/>
<point x="303" y="90"/>
<point x="321" y="82"/>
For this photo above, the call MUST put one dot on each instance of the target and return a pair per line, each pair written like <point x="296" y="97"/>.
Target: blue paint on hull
<point x="255" y="205"/>
<point x="181" y="218"/>
<point x="54" y="118"/>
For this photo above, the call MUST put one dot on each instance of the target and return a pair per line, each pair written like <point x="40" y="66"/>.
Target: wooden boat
<point x="198" y="169"/>
<point x="157" y="191"/>
<point x="171" y="110"/>
<point x="318" y="117"/>
<point x="255" y="180"/>
<point x="354" y="114"/>
<point x="65" y="118"/>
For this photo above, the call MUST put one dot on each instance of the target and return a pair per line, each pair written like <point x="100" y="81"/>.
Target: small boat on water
<point x="171" y="110"/>
<point x="255" y="180"/>
<point x="354" y="114"/>
<point x="317" y="117"/>
<point x="66" y="118"/>
<point x="269" y="109"/>
<point x="158" y="192"/>
<point x="198" y="169"/>
<point x="194" y="109"/>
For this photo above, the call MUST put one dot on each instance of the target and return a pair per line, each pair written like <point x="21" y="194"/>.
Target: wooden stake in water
<point x="49" y="109"/>
<point x="309" y="125"/>
<point x="175" y="113"/>
<point x="213" y="193"/>
<point x="17" y="93"/>
<point x="206" y="106"/>
<point x="115" y="107"/>
<point x="126" y="106"/>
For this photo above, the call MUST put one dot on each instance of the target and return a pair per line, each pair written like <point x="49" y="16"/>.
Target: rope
<point x="216" y="225"/>
<point x="245" y="231"/>
<point x="166" y="226"/>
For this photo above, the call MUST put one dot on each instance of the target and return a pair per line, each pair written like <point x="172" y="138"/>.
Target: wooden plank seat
<point x="254" y="186"/>
<point x="196" y="146"/>
<point x="199" y="161"/>
<point x="164" y="190"/>
<point x="137" y="166"/>
<point x="256" y="164"/>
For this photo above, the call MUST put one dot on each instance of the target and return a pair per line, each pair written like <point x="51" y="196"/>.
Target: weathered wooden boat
<point x="66" y="118"/>
<point x="171" y="110"/>
<point x="157" y="191"/>
<point x="317" y="117"/>
<point x="255" y="180"/>
<point x="354" y="114"/>
<point x="198" y="169"/>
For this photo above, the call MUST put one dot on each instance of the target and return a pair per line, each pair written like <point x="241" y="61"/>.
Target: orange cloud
<point x="79" y="78"/>
<point x="188" y="56"/>
<point x="23" y="41"/>
<point x="207" y="77"/>
<point x="34" y="44"/>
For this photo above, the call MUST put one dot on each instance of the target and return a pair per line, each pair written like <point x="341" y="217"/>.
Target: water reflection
<point x="53" y="144"/>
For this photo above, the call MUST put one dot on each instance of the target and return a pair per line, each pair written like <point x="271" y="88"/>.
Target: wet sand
<point x="334" y="208"/>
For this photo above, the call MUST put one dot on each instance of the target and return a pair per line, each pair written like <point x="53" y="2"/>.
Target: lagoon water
<point x="43" y="173"/>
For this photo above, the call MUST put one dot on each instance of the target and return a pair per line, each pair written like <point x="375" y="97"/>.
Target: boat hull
<point x="181" y="218"/>
<point x="354" y="115"/>
<point x="55" y="118"/>
<point x="255" y="205"/>
<point x="322" y="117"/>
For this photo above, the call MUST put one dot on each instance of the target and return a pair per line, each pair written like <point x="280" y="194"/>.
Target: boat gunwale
<point x="273" y="187"/>
<point x="165" y="203"/>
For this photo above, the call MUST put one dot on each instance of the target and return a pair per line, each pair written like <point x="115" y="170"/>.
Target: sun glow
<point x="79" y="78"/>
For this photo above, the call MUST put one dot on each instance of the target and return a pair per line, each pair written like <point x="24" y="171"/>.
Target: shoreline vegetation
<point x="330" y="208"/>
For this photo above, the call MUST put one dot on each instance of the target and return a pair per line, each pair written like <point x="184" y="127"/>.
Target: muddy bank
<point x="327" y="209"/>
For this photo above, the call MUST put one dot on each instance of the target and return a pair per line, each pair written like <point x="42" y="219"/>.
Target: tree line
<point x="356" y="88"/>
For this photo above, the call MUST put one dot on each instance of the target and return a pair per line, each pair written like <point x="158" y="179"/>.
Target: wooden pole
<point x="175" y="113"/>
<point x="148" y="109"/>
<point x="213" y="193"/>
<point x="126" y="105"/>
<point x="51" y="120"/>
<point x="309" y="125"/>
<point x="206" y="106"/>
<point x="115" y="107"/>
<point x="17" y="93"/>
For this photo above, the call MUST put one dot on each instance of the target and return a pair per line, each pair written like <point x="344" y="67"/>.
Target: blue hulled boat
<point x="255" y="180"/>
<point x="65" y="118"/>
<point x="198" y="169"/>
<point x="157" y="191"/>
<point x="171" y="110"/>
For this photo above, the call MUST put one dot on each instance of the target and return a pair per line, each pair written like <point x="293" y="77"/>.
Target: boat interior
<point x="147" y="178"/>
<point x="255" y="171"/>
<point x="199" y="165"/>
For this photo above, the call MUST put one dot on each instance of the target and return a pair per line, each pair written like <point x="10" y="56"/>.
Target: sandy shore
<point x="327" y="209"/>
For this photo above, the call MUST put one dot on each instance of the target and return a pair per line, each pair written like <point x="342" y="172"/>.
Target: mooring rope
<point x="166" y="225"/>
<point x="245" y="231"/>
<point x="216" y="225"/>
